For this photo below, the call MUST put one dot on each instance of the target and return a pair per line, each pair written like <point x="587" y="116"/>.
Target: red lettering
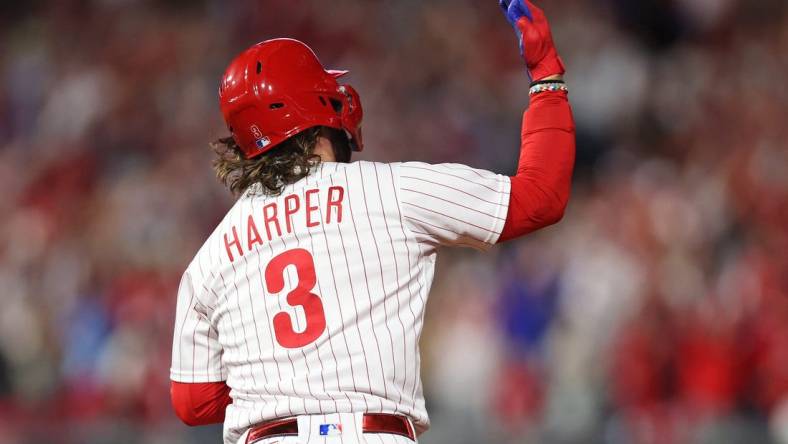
<point x="290" y="210"/>
<point x="235" y="242"/>
<point x="335" y="202"/>
<point x="269" y="218"/>
<point x="252" y="235"/>
<point x="310" y="209"/>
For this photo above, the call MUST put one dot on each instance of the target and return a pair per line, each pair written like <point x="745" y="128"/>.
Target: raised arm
<point x="456" y="205"/>
<point x="540" y="189"/>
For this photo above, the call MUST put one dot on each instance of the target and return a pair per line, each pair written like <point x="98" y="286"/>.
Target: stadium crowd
<point x="655" y="312"/>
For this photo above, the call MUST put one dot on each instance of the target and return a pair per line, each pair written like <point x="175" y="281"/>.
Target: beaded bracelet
<point x="548" y="87"/>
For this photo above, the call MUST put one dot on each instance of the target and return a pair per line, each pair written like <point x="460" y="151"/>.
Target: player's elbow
<point x="548" y="214"/>
<point x="183" y="409"/>
<point x="550" y="209"/>
<point x="186" y="415"/>
<point x="532" y="207"/>
<point x="554" y="211"/>
<point x="200" y="403"/>
<point x="188" y="420"/>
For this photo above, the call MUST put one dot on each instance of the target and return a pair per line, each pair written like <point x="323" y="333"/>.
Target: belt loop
<point x="412" y="429"/>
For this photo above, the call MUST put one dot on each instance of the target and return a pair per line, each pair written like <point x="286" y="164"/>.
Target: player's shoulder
<point x="361" y="169"/>
<point x="366" y="168"/>
<point x="423" y="172"/>
<point x="366" y="165"/>
<point x="455" y="170"/>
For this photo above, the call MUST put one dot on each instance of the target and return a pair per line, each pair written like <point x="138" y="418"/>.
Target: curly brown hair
<point x="287" y="163"/>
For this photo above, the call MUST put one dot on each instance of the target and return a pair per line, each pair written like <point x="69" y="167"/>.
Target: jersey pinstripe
<point x="312" y="302"/>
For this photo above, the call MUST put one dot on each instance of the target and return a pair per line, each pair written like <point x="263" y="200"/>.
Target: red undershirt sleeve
<point x="540" y="189"/>
<point x="200" y="403"/>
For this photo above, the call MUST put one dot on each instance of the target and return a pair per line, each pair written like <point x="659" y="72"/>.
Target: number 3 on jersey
<point x="301" y="296"/>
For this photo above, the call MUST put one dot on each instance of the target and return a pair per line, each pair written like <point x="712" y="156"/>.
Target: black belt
<point x="373" y="423"/>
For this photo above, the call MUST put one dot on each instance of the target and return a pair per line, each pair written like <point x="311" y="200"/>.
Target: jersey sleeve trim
<point x="196" y="377"/>
<point x="505" y="189"/>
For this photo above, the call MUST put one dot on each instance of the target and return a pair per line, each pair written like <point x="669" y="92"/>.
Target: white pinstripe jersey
<point x="312" y="302"/>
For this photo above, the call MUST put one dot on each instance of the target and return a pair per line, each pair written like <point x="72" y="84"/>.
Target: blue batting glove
<point x="534" y="38"/>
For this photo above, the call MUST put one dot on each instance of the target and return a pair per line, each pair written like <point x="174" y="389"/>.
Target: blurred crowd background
<point x="656" y="312"/>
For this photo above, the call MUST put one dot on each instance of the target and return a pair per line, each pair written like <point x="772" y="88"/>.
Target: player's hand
<point x="536" y="40"/>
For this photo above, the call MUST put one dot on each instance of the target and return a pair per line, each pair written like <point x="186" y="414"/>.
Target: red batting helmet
<point x="278" y="88"/>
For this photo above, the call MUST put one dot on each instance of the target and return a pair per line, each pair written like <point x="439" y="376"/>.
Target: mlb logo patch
<point x="330" y="429"/>
<point x="260" y="140"/>
<point x="262" y="143"/>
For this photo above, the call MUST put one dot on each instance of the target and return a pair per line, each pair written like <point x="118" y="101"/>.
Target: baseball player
<point x="299" y="319"/>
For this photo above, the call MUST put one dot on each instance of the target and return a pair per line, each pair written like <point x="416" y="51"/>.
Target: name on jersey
<point x="316" y="207"/>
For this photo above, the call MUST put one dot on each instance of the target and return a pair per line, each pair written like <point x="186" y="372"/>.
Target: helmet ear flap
<point x="351" y="98"/>
<point x="351" y="115"/>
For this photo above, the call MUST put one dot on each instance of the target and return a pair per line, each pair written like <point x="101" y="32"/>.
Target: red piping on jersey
<point x="540" y="189"/>
<point x="200" y="403"/>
